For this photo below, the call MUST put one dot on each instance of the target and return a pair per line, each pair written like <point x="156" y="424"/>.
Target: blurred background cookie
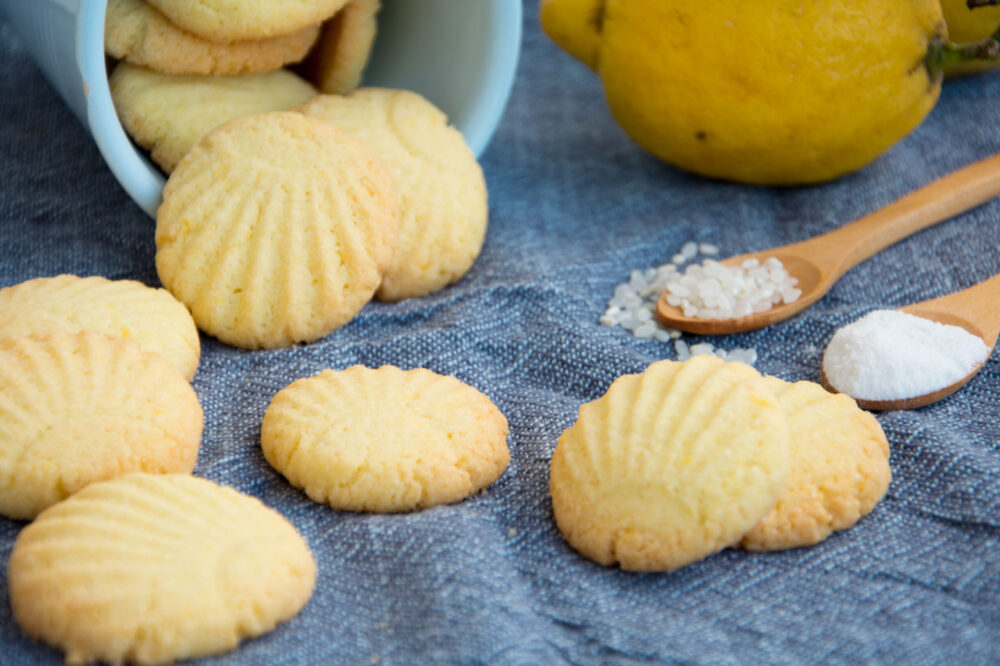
<point x="168" y="113"/>
<point x="443" y="201"/>
<point x="386" y="439"/>
<point x="337" y="62"/>
<point x="226" y="21"/>
<point x="670" y="465"/>
<point x="839" y="468"/>
<point x="76" y="408"/>
<point x="138" y="33"/>
<point x="156" y="568"/>
<point x="125" y="309"/>
<point x="275" y="229"/>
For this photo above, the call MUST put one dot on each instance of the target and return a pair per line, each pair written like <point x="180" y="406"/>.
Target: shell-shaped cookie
<point x="443" y="200"/>
<point x="155" y="568"/>
<point x="340" y="56"/>
<point x="76" y="408"/>
<point x="385" y="439"/>
<point x="670" y="465"/>
<point x="226" y="21"/>
<point x="275" y="229"/>
<point x="169" y="113"/>
<point x="125" y="309"/>
<point x="839" y="468"/>
<point x="136" y="32"/>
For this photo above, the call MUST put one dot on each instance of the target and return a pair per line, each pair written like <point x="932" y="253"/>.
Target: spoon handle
<point x="842" y="249"/>
<point x="978" y="306"/>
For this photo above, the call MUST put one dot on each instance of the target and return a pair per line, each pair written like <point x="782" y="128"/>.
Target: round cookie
<point x="345" y="43"/>
<point x="385" y="440"/>
<point x="76" y="408"/>
<point x="839" y="468"/>
<point x="156" y="568"/>
<point x="136" y="32"/>
<point x="443" y="201"/>
<point x="670" y="465"/>
<point x="169" y="113"/>
<point x="275" y="229"/>
<point x="226" y="21"/>
<point x="125" y="309"/>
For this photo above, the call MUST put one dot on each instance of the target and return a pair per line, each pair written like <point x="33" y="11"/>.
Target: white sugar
<point x="891" y="355"/>
<point x="713" y="290"/>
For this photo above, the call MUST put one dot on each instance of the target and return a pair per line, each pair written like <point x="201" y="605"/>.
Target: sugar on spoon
<point x="888" y="368"/>
<point x="817" y="263"/>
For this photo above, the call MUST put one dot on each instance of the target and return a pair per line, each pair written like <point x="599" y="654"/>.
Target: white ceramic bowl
<point x="460" y="54"/>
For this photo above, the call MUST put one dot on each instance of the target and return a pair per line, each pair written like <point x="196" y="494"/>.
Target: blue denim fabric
<point x="574" y="206"/>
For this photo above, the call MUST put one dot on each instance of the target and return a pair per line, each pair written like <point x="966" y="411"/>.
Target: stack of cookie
<point x="93" y="384"/>
<point x="686" y="459"/>
<point x="186" y="67"/>
<point x="99" y="434"/>
<point x="278" y="227"/>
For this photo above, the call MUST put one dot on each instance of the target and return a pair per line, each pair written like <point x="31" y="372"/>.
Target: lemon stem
<point x="972" y="4"/>
<point x="942" y="54"/>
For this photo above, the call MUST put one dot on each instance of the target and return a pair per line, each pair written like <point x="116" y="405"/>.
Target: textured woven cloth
<point x="574" y="206"/>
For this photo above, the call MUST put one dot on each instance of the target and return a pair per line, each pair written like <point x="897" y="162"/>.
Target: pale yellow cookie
<point x="226" y="21"/>
<point x="385" y="440"/>
<point x="76" y="408"/>
<point x="169" y="113"/>
<point x="670" y="465"/>
<point x="125" y="309"/>
<point x="345" y="43"/>
<point x="150" y="569"/>
<point x="442" y="191"/>
<point x="275" y="229"/>
<point x="839" y="468"/>
<point x="136" y="32"/>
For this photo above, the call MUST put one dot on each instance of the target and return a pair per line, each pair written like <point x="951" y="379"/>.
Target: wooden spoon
<point x="820" y="261"/>
<point x="976" y="309"/>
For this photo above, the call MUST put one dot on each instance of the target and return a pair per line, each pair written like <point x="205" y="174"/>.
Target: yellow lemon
<point x="970" y="25"/>
<point x="766" y="92"/>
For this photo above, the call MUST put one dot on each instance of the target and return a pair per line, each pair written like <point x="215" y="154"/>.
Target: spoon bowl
<point x="817" y="263"/>
<point x="976" y="309"/>
<point x="906" y="403"/>
<point x="808" y="274"/>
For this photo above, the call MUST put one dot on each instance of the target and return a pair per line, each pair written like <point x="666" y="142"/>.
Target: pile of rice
<point x="633" y="305"/>
<point x="715" y="291"/>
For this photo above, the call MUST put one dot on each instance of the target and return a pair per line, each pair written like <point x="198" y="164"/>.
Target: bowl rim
<point x="143" y="181"/>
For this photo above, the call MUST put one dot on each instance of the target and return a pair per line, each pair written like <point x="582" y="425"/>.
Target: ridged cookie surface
<point x="670" y="465"/>
<point x="169" y="113"/>
<point x="275" y="229"/>
<point x="386" y="439"/>
<point x="154" y="568"/>
<point x="136" y="32"/>
<point x="125" y="309"/>
<point x="345" y="43"/>
<point x="76" y="408"/>
<point x="443" y="202"/>
<point x="226" y="21"/>
<point x="839" y="468"/>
